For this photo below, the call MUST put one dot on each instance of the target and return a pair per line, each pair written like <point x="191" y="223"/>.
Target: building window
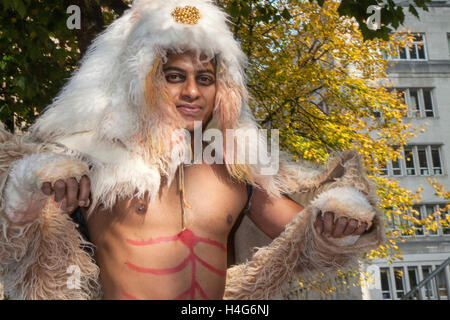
<point x="448" y="42"/>
<point x="416" y="52"/>
<point x="409" y="161"/>
<point x="396" y="169"/>
<point x="404" y="225"/>
<point x="414" y="103"/>
<point x="385" y="283"/>
<point x="427" y="210"/>
<point x="428" y="103"/>
<point x="429" y="287"/>
<point x="422" y="160"/>
<point x="413" y="276"/>
<point x="442" y="288"/>
<point x="420" y="102"/>
<point x="437" y="163"/>
<point x="398" y="280"/>
<point x="418" y="229"/>
<point x="442" y="206"/>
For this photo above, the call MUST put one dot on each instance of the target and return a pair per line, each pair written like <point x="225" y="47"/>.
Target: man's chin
<point x="191" y="123"/>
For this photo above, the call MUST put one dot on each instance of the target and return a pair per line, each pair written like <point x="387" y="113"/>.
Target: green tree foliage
<point x="39" y="51"/>
<point x="38" y="54"/>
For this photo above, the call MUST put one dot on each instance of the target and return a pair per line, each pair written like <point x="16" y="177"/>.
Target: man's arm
<point x="271" y="215"/>
<point x="38" y="243"/>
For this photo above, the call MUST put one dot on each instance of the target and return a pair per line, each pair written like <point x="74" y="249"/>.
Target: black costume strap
<point x="231" y="254"/>
<point x="82" y="227"/>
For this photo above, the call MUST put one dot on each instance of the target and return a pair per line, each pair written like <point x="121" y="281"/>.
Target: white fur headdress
<point x="107" y="92"/>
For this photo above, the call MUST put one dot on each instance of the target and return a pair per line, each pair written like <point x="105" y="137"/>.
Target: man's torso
<point x="143" y="253"/>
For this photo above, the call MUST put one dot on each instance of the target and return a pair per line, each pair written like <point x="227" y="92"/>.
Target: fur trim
<point x="35" y="255"/>
<point x="35" y="259"/>
<point x="22" y="195"/>
<point x="345" y="202"/>
<point x="297" y="251"/>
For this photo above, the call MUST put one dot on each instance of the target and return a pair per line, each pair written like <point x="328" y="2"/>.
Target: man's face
<point x="191" y="86"/>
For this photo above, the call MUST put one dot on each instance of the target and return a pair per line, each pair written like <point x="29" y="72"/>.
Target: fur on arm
<point x="40" y="248"/>
<point x="22" y="195"/>
<point x="299" y="250"/>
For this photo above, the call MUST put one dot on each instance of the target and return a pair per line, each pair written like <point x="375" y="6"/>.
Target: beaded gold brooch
<point x="186" y="15"/>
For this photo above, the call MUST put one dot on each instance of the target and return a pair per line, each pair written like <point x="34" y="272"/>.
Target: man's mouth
<point x="189" y="110"/>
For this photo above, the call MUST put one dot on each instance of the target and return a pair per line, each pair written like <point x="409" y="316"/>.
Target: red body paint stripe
<point x="151" y="241"/>
<point x="188" y="238"/>
<point x="185" y="293"/>
<point x="129" y="296"/>
<point x="210" y="267"/>
<point x="178" y="268"/>
<point x="202" y="293"/>
<point x="212" y="242"/>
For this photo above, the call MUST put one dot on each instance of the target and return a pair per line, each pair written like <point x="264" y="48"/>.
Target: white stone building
<point x="423" y="75"/>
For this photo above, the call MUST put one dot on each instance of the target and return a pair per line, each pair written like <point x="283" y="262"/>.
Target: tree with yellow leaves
<point x="315" y="78"/>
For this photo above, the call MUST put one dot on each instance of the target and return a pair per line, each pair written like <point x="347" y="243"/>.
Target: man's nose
<point x="190" y="89"/>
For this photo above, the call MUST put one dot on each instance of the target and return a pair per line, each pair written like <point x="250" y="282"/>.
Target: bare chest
<point x="140" y="242"/>
<point x="212" y="203"/>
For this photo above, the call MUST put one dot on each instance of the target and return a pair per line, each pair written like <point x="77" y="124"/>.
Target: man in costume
<point x="160" y="230"/>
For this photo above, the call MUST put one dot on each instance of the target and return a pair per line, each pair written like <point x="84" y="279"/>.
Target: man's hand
<point x="70" y="193"/>
<point x="343" y="227"/>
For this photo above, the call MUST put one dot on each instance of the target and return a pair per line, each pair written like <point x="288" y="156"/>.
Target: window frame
<point x="415" y="47"/>
<point x="417" y="268"/>
<point x="421" y="112"/>
<point x="431" y="169"/>
<point x="448" y="43"/>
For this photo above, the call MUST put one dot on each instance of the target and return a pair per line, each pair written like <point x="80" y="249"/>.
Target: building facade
<point x="422" y="74"/>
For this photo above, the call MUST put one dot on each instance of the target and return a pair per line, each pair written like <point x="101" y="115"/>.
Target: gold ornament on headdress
<point x="186" y="15"/>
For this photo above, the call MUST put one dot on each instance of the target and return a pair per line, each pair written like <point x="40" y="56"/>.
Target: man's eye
<point x="206" y="80"/>
<point x="174" y="77"/>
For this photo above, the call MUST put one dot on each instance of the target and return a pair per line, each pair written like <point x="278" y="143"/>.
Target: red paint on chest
<point x="190" y="240"/>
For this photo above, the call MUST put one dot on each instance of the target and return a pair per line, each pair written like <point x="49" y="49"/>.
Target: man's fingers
<point x="318" y="224"/>
<point x="351" y="227"/>
<point x="360" y="229"/>
<point x="72" y="194"/>
<point x="47" y="188"/>
<point x="60" y="190"/>
<point x="341" y="223"/>
<point x="328" y="218"/>
<point x="85" y="190"/>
